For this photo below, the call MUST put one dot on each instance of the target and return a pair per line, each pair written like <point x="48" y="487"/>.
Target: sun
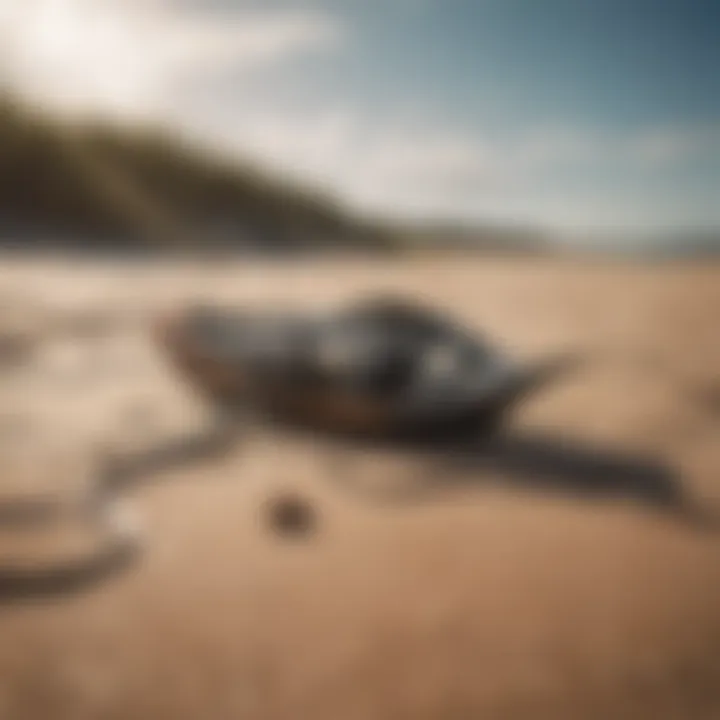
<point x="83" y="55"/>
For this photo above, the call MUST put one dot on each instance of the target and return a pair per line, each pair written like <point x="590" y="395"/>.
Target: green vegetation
<point x="113" y="185"/>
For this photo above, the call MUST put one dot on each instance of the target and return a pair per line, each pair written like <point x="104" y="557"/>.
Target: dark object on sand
<point x="291" y="516"/>
<point x="382" y="368"/>
<point x="391" y="373"/>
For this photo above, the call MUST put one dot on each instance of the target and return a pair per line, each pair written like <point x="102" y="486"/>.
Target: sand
<point x="479" y="601"/>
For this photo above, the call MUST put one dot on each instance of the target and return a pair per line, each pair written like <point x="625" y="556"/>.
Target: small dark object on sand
<point x="291" y="516"/>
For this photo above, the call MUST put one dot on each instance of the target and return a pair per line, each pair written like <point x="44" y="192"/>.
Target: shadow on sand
<point x="543" y="463"/>
<point x="67" y="579"/>
<point x="120" y="548"/>
<point x="531" y="462"/>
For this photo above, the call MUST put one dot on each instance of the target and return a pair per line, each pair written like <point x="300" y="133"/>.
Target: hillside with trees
<point x="97" y="184"/>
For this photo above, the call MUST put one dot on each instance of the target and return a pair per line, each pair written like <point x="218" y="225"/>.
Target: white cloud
<point x="672" y="144"/>
<point x="548" y="175"/>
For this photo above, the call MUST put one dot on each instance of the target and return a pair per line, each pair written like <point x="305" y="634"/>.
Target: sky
<point x="580" y="115"/>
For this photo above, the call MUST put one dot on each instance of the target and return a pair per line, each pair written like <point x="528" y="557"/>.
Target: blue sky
<point x="612" y="62"/>
<point x="577" y="114"/>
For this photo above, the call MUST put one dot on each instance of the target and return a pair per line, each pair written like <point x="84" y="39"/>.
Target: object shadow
<point x="544" y="463"/>
<point x="65" y="579"/>
<point x="117" y="475"/>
